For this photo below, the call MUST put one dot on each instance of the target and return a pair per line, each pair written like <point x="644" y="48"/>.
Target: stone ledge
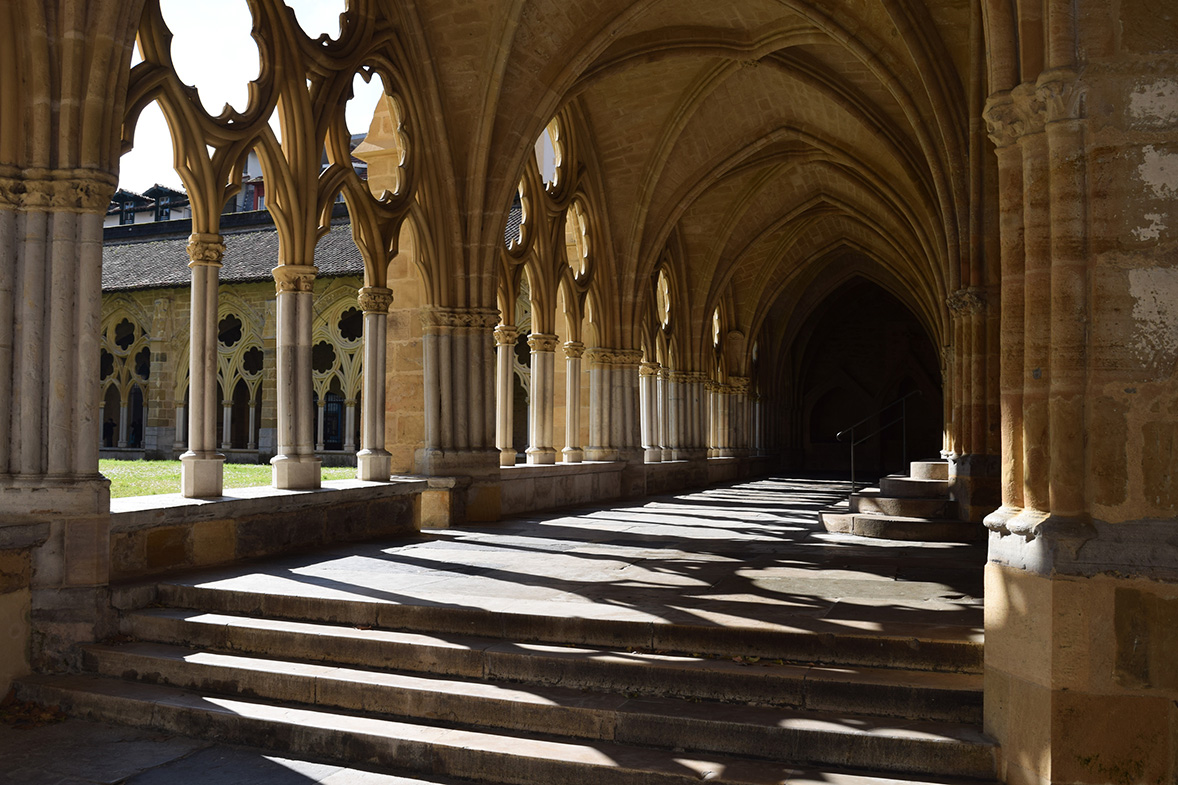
<point x="518" y="472"/>
<point x="138" y="512"/>
<point x="1132" y="549"/>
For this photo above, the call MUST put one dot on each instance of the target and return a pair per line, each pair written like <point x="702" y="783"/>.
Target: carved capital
<point x="574" y="350"/>
<point x="375" y="299"/>
<point x="605" y="356"/>
<point x="1062" y="95"/>
<point x="1003" y="120"/>
<point x="205" y="250"/>
<point x="967" y="302"/>
<point x="294" y="277"/>
<point x="738" y="385"/>
<point x="506" y="335"/>
<point x="542" y="342"/>
<point x="56" y="191"/>
<point x="1032" y="113"/>
<point x="649" y="369"/>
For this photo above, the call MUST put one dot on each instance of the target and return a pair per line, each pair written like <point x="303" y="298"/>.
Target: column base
<point x="202" y="475"/>
<point x="541" y="456"/>
<point x="653" y="455"/>
<point x="374" y="465"/>
<point x="572" y="455"/>
<point x="302" y="473"/>
<point x="507" y="457"/>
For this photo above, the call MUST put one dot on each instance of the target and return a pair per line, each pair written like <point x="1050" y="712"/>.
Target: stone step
<point x="507" y="757"/>
<point x="913" y="488"/>
<point x="929" y="470"/>
<point x="898" y="527"/>
<point x="911" y="507"/>
<point x="913" y="648"/>
<point x="953" y="697"/>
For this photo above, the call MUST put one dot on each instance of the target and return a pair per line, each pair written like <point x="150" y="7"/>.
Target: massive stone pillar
<point x="505" y="338"/>
<point x="55" y="524"/>
<point x="295" y="466"/>
<point x="373" y="462"/>
<point x="599" y="448"/>
<point x="460" y="413"/>
<point x="540" y="448"/>
<point x="1081" y="593"/>
<point x="573" y="453"/>
<point x="201" y="466"/>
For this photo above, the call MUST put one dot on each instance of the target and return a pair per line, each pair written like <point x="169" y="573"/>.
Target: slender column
<point x="201" y="467"/>
<point x="739" y="388"/>
<point x="540" y="449"/>
<point x="252" y="443"/>
<point x="295" y="465"/>
<point x="320" y="411"/>
<point x="350" y="425"/>
<point x="123" y="423"/>
<point x="101" y="420"/>
<point x="505" y="338"/>
<point x="648" y="392"/>
<point x="373" y="462"/>
<point x="178" y="442"/>
<point x="573" y="350"/>
<point x="226" y="424"/>
<point x="626" y="419"/>
<point x="661" y="418"/>
<point x="674" y="385"/>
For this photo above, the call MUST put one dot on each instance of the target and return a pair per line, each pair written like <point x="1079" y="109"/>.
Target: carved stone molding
<point x="294" y="277"/>
<point x="967" y="302"/>
<point x="375" y="299"/>
<point x="205" y="250"/>
<point x="574" y="350"/>
<point x="542" y="342"/>
<point x="478" y="318"/>
<point x="56" y="191"/>
<point x="506" y="335"/>
<point x="738" y="385"/>
<point x="602" y="356"/>
<point x="649" y="369"/>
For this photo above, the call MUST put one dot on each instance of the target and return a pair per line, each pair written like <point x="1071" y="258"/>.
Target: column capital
<point x="1061" y="94"/>
<point x="294" y="277"/>
<point x="542" y="342"/>
<point x="506" y="335"/>
<point x="649" y="369"/>
<point x="605" y="356"/>
<point x="738" y="385"/>
<point x="375" y="299"/>
<point x="967" y="302"/>
<point x="205" y="250"/>
<point x="574" y="350"/>
<point x="56" y="190"/>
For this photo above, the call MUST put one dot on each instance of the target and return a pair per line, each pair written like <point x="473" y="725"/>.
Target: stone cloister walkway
<point x="728" y="561"/>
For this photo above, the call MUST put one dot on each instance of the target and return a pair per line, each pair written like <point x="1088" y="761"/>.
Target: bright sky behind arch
<point x="212" y="49"/>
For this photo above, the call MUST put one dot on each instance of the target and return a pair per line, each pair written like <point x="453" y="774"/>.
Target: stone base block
<point x="572" y="455"/>
<point x="202" y="475"/>
<point x="374" y="465"/>
<point x="541" y="456"/>
<point x="507" y="457"/>
<point x="302" y="474"/>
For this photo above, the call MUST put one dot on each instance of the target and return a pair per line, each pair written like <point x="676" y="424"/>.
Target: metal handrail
<point x="903" y="418"/>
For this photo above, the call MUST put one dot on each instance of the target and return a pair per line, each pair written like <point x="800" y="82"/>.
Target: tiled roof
<point x="250" y="255"/>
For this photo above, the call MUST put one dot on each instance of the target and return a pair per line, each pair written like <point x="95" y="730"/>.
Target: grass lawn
<point x="144" y="478"/>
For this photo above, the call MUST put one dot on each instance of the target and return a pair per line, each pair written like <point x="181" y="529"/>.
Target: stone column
<point x="739" y="395"/>
<point x="373" y="462"/>
<point x="295" y="465"/>
<point x="505" y="338"/>
<point x="648" y="391"/>
<point x="320" y="410"/>
<point x="124" y="422"/>
<point x="252" y="443"/>
<point x="178" y="442"/>
<point x="540" y="449"/>
<point x="662" y="421"/>
<point x="599" y="403"/>
<point x="675" y="415"/>
<point x="350" y="425"/>
<point x="201" y="466"/>
<point x="226" y="424"/>
<point x="572" y="453"/>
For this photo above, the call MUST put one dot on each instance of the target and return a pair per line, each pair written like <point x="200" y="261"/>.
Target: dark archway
<point x="858" y="352"/>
